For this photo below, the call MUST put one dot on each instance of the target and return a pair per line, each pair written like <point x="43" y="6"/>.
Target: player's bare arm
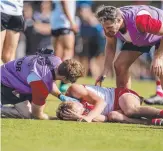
<point x="66" y="11"/>
<point x="100" y="118"/>
<point x="39" y="95"/>
<point x="161" y="30"/>
<point x="159" y="51"/>
<point x="55" y="91"/>
<point x="157" y="62"/>
<point x="38" y="112"/>
<point x="43" y="28"/>
<point x="110" y="50"/>
<point x="79" y="92"/>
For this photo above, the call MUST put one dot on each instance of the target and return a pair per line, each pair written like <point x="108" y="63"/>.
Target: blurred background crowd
<point x="89" y="38"/>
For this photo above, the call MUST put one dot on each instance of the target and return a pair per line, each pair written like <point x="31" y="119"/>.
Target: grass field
<point x="37" y="135"/>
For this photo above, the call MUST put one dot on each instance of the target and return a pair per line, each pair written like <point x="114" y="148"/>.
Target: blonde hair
<point x="63" y="107"/>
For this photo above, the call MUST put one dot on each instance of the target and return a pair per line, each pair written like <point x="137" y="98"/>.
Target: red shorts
<point x="118" y="93"/>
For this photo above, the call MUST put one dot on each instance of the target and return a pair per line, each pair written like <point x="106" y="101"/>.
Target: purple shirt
<point x="14" y="74"/>
<point x="138" y="38"/>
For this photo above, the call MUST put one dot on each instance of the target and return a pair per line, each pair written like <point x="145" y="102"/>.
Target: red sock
<point x="159" y="90"/>
<point x="157" y="121"/>
<point x="161" y="114"/>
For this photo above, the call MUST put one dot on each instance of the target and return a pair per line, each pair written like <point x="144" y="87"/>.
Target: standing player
<point x="12" y="23"/>
<point x="158" y="97"/>
<point x="107" y="104"/>
<point x="32" y="78"/>
<point x="63" y="28"/>
<point x="140" y="27"/>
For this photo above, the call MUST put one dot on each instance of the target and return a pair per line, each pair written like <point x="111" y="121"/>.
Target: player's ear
<point x="118" y="20"/>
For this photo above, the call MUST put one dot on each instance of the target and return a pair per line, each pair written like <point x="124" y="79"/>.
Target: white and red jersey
<point x="109" y="95"/>
<point x="145" y="23"/>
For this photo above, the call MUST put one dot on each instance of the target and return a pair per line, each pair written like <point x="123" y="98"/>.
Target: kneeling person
<point x="31" y="79"/>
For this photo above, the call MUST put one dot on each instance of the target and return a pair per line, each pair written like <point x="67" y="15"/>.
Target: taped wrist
<point x="61" y="97"/>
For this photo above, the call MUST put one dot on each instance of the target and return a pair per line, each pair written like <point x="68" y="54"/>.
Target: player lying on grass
<point x="31" y="79"/>
<point x="101" y="104"/>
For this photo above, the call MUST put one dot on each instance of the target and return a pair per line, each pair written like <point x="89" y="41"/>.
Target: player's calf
<point x="115" y="116"/>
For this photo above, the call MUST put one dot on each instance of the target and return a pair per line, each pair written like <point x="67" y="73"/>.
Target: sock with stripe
<point x="159" y="90"/>
<point x="157" y="121"/>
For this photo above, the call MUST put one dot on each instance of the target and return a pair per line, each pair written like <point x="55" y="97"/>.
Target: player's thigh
<point x="68" y="41"/>
<point x="14" y="26"/>
<point x="58" y="48"/>
<point x="128" y="102"/>
<point x="4" y="23"/>
<point x="3" y="35"/>
<point x="56" y="43"/>
<point x="11" y="41"/>
<point x="126" y="58"/>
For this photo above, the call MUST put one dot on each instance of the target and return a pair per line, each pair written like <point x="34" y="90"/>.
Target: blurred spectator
<point x="12" y="23"/>
<point x="63" y="28"/>
<point x="161" y="4"/>
<point x="140" y="2"/>
<point x="93" y="39"/>
<point x="85" y="2"/>
<point x="37" y="27"/>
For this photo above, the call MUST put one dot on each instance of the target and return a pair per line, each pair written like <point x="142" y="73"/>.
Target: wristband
<point x="64" y="98"/>
<point x="61" y="97"/>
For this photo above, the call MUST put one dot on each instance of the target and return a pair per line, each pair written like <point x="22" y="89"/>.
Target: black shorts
<point x="90" y="47"/>
<point x="61" y="31"/>
<point x="7" y="96"/>
<point x="143" y="49"/>
<point x="9" y="22"/>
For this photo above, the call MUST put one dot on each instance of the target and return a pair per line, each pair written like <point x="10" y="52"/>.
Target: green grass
<point x="37" y="135"/>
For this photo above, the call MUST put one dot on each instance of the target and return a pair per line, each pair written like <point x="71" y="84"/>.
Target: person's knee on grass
<point x="19" y="110"/>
